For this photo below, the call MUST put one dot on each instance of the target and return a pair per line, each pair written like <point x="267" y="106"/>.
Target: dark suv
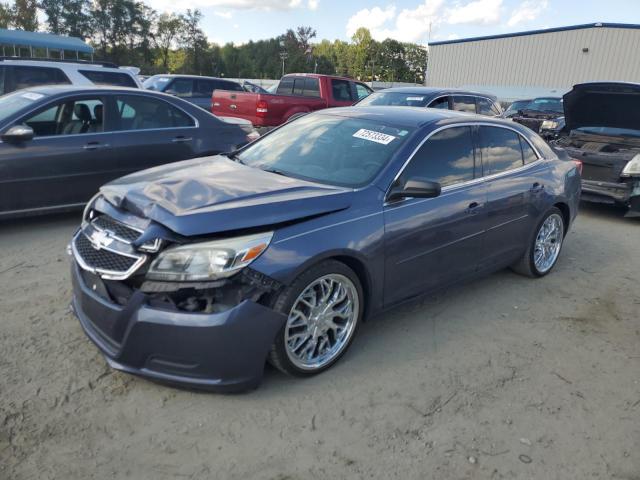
<point x="192" y="88"/>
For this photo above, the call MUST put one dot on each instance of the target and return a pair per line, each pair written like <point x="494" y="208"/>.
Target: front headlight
<point x="549" y="125"/>
<point x="208" y="260"/>
<point x="632" y="168"/>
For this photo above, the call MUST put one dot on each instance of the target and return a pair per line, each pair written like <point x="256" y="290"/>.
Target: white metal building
<point x="537" y="63"/>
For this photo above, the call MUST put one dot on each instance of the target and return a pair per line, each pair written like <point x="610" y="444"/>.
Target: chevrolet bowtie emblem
<point x="100" y="239"/>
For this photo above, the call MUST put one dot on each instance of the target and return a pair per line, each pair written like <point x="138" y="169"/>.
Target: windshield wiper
<point x="233" y="155"/>
<point x="273" y="170"/>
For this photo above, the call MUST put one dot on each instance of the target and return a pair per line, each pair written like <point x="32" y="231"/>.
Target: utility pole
<point x="283" y="55"/>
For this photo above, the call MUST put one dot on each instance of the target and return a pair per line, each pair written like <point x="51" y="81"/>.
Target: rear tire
<point x="324" y="307"/>
<point x="544" y="247"/>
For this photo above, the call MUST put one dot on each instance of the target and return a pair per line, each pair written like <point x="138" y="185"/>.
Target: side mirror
<point x="413" y="188"/>
<point x="18" y="134"/>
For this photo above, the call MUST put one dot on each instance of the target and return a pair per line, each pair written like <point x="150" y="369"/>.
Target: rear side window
<point x="181" y="87"/>
<point x="464" y="104"/>
<point x="204" y="88"/>
<point x="285" y="87"/>
<point x="447" y="157"/>
<point x="298" y="86"/>
<point x="528" y="155"/>
<point x="500" y="149"/>
<point x="25" y="77"/>
<point x="442" y="103"/>
<point x="109" y="78"/>
<point x="341" y="90"/>
<point x="311" y="87"/>
<point x="143" y="113"/>
<point x="485" y="106"/>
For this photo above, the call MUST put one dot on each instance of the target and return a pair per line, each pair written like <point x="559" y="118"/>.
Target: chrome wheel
<point x="548" y="243"/>
<point x="321" y="321"/>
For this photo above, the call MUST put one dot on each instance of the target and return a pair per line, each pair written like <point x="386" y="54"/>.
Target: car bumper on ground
<point x="627" y="193"/>
<point x="221" y="352"/>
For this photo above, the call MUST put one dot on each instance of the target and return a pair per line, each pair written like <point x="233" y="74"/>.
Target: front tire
<point x="324" y="308"/>
<point x="544" y="248"/>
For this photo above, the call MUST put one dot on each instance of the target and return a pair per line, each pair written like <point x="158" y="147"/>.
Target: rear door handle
<point x="181" y="139"/>
<point x="473" y="208"/>
<point x="95" y="146"/>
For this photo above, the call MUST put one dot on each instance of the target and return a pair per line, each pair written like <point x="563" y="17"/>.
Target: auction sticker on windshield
<point x="373" y="136"/>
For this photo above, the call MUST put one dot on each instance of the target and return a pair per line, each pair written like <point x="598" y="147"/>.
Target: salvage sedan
<point x="603" y="122"/>
<point x="61" y="143"/>
<point x="198" y="272"/>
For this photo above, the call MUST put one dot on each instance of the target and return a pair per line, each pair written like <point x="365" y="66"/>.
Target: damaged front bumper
<point x="223" y="351"/>
<point x="624" y="193"/>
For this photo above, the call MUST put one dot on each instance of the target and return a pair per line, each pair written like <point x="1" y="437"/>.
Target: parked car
<point x="192" y="88"/>
<point x="18" y="73"/>
<point x="447" y="99"/>
<point x="297" y="94"/>
<point x="603" y="125"/>
<point x="199" y="271"/>
<point x="60" y="143"/>
<point x="544" y="115"/>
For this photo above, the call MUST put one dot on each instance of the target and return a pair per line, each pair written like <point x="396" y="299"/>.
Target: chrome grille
<point x="102" y="260"/>
<point x="119" y="230"/>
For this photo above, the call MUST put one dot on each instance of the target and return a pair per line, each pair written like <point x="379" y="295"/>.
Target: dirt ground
<point x="503" y="378"/>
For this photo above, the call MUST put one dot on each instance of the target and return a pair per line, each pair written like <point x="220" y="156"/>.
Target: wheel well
<point x="363" y="275"/>
<point x="566" y="214"/>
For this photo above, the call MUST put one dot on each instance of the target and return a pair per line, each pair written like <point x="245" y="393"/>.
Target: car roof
<point x="51" y="90"/>
<point x="61" y="63"/>
<point x="411" y="116"/>
<point x="436" y="91"/>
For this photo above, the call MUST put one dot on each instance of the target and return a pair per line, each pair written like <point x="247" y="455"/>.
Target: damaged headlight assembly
<point x="550" y="125"/>
<point x="632" y="168"/>
<point x="206" y="261"/>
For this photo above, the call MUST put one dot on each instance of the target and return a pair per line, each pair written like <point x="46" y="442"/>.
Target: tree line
<point x="129" y="32"/>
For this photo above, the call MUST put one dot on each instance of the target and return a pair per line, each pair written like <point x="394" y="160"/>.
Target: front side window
<point x="500" y="149"/>
<point x="156" y="83"/>
<point x="109" y="78"/>
<point x="71" y="117"/>
<point x="463" y="103"/>
<point x="143" y="113"/>
<point x="181" y="87"/>
<point x="362" y="91"/>
<point x="397" y="99"/>
<point x="326" y="148"/>
<point x="25" y="77"/>
<point x="311" y="87"/>
<point x="447" y="158"/>
<point x="485" y="107"/>
<point x="442" y="103"/>
<point x="341" y="90"/>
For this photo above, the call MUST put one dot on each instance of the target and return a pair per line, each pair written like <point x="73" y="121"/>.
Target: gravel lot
<point x="505" y="377"/>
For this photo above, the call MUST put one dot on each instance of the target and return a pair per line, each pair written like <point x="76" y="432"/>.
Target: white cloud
<point x="410" y="25"/>
<point x="226" y="15"/>
<point x="528" y="11"/>
<point x="478" y="12"/>
<point x="172" y="5"/>
<point x="312" y="4"/>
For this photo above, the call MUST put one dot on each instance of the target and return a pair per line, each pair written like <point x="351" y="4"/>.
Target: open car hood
<point x="215" y="194"/>
<point x="605" y="104"/>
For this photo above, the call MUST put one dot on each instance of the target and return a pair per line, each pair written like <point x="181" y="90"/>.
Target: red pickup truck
<point x="297" y="94"/>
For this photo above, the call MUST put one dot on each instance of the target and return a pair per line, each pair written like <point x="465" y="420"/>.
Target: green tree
<point x="25" y="15"/>
<point x="67" y="17"/>
<point x="167" y="31"/>
<point x="361" y="52"/>
<point x="6" y="15"/>
<point x="194" y="41"/>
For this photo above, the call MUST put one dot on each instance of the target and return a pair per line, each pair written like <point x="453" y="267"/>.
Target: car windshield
<point x="156" y="83"/>
<point x="398" y="99"/>
<point x="518" y="105"/>
<point x="545" y="105"/>
<point x="610" y="131"/>
<point x="326" y="148"/>
<point x="16" y="101"/>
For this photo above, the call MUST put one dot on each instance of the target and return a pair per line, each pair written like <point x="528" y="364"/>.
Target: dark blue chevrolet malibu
<point x="198" y="272"/>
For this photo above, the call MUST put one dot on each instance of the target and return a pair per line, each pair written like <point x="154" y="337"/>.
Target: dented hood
<point x="605" y="104"/>
<point x="215" y="194"/>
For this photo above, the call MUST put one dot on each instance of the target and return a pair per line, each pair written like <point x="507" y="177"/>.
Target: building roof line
<point x="537" y="32"/>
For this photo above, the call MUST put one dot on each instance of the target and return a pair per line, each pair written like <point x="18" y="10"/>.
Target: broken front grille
<point x="117" y="229"/>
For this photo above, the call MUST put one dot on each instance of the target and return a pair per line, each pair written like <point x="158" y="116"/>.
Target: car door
<point x="66" y="161"/>
<point x="430" y="243"/>
<point x="151" y="131"/>
<point x="513" y="176"/>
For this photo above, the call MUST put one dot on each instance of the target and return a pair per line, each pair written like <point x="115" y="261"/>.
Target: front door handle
<point x="537" y="187"/>
<point x="473" y="208"/>
<point x="95" y="146"/>
<point x="181" y="139"/>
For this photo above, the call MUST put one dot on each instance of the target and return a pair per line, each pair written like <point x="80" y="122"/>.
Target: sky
<point x="239" y="21"/>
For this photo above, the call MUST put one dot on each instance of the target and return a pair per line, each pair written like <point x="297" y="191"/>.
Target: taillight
<point x="262" y="108"/>
<point x="578" y="165"/>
